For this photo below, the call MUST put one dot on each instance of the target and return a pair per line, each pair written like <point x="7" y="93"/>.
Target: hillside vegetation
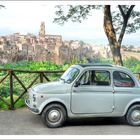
<point x="131" y="63"/>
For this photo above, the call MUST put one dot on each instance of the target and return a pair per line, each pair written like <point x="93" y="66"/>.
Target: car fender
<point x="131" y="103"/>
<point x="52" y="100"/>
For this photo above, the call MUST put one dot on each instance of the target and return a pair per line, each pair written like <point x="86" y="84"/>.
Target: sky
<point x="26" y="16"/>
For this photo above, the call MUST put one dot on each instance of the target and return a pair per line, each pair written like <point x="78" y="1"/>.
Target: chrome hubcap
<point x="135" y="115"/>
<point x="54" y="115"/>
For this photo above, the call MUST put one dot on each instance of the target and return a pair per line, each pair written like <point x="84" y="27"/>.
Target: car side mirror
<point x="77" y="83"/>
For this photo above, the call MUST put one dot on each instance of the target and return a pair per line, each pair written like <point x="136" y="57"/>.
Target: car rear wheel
<point x="133" y="115"/>
<point x="54" y="115"/>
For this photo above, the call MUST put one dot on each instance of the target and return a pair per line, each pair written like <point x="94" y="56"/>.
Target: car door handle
<point x="113" y="91"/>
<point x="74" y="90"/>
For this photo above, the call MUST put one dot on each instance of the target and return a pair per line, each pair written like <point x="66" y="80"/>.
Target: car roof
<point x="82" y="67"/>
<point x="93" y="65"/>
<point x="107" y="66"/>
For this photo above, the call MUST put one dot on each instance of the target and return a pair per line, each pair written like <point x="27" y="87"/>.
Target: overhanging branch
<point x="122" y="12"/>
<point x="126" y="18"/>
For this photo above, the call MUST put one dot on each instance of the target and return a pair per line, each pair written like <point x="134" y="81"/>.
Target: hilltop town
<point x="17" y="47"/>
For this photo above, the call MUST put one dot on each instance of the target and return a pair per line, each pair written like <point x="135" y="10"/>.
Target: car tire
<point x="54" y="115"/>
<point x="133" y="115"/>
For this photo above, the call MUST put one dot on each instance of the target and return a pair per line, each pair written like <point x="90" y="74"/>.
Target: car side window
<point x="122" y="79"/>
<point x="85" y="78"/>
<point x="95" y="77"/>
<point x="102" y="78"/>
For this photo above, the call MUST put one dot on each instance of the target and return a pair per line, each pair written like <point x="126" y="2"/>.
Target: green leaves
<point x="133" y="64"/>
<point x="2" y="6"/>
<point x="81" y="12"/>
<point x="73" y="13"/>
<point x="19" y="104"/>
<point x="33" y="65"/>
<point x="133" y="19"/>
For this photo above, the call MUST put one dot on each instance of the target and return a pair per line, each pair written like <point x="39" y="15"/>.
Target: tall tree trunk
<point x="111" y="35"/>
<point x="117" y="58"/>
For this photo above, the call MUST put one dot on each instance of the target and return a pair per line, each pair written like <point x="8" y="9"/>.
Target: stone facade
<point x="42" y="32"/>
<point x="45" y="47"/>
<point x="30" y="47"/>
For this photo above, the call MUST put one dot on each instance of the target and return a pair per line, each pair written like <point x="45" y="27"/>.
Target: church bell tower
<point x="42" y="32"/>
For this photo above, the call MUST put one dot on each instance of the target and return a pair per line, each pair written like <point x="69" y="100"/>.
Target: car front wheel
<point x="133" y="115"/>
<point x="54" y="115"/>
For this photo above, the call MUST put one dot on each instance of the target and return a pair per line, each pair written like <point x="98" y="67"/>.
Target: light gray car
<point x="87" y="91"/>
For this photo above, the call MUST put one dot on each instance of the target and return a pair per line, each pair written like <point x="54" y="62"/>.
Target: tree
<point x="116" y="23"/>
<point x="2" y="6"/>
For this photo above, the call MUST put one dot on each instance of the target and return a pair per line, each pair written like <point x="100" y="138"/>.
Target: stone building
<point x="42" y="32"/>
<point x="46" y="47"/>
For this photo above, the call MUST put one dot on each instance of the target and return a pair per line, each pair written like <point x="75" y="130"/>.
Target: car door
<point x="94" y="94"/>
<point x="124" y="89"/>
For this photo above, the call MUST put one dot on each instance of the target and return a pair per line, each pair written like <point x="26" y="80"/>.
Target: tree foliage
<point x="116" y="23"/>
<point x="2" y="6"/>
<point x="81" y="12"/>
<point x="75" y="13"/>
<point x="118" y="18"/>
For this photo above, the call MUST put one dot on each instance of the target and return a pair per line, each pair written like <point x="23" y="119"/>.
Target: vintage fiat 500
<point x="87" y="90"/>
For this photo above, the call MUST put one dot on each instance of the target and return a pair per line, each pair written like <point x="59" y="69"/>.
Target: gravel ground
<point x="23" y="122"/>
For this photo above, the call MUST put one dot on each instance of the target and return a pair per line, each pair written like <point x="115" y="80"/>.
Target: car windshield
<point x="70" y="74"/>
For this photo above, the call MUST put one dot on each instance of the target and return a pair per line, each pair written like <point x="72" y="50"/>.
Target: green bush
<point x="3" y="106"/>
<point x="131" y="63"/>
<point x="33" y="65"/>
<point x="25" y="78"/>
<point x="19" y="104"/>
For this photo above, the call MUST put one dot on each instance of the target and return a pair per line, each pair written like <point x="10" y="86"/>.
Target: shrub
<point x="131" y="63"/>
<point x="19" y="104"/>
